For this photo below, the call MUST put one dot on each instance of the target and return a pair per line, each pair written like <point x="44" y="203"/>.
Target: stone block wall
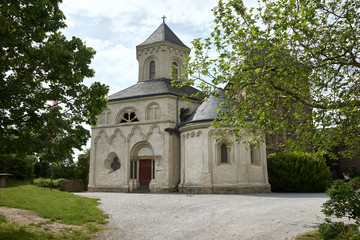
<point x="72" y="185"/>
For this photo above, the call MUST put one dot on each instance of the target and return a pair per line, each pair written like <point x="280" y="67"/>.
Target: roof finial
<point x="163" y="18"/>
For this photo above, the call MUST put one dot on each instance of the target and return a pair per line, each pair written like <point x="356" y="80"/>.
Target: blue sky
<point x="115" y="27"/>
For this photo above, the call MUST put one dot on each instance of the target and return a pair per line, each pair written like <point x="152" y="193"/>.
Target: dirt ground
<point x="25" y="217"/>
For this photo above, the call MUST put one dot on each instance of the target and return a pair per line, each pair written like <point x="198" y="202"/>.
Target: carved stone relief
<point x="192" y="134"/>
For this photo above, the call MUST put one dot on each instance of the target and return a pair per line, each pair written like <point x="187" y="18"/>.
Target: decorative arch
<point x="102" y="132"/>
<point x="143" y="148"/>
<point x="152" y="111"/>
<point x="117" y="132"/>
<point x="153" y="127"/>
<point x="142" y="163"/>
<point x="127" y="115"/>
<point x="103" y="118"/>
<point x="133" y="133"/>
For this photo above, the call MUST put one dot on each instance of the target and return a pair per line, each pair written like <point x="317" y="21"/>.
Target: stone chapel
<point x="150" y="138"/>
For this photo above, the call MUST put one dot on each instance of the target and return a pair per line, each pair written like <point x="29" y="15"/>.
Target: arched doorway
<point x="142" y="167"/>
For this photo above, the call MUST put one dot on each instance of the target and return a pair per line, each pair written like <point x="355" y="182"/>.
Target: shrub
<point x="42" y="169"/>
<point x="344" y="199"/>
<point x="46" y="182"/>
<point x="22" y="168"/>
<point x="82" y="168"/>
<point x="338" y="230"/>
<point x="329" y="230"/>
<point x="298" y="172"/>
<point x="64" y="169"/>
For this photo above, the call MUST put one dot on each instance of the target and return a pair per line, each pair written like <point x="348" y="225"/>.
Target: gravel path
<point x="185" y="216"/>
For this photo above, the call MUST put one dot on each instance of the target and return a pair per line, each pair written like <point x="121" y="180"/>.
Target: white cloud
<point x="114" y="28"/>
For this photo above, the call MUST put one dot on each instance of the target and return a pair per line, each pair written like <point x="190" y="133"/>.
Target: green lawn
<point x="62" y="207"/>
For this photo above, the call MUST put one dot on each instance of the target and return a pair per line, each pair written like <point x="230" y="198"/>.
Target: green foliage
<point x="64" y="169"/>
<point x="330" y="231"/>
<point x="290" y="66"/>
<point x="22" y="168"/>
<point x="46" y="182"/>
<point x="38" y="65"/>
<point x="65" y="207"/>
<point x="82" y="167"/>
<point x="16" y="231"/>
<point x="338" y="231"/>
<point x="2" y="219"/>
<point x="298" y="172"/>
<point x="344" y="200"/>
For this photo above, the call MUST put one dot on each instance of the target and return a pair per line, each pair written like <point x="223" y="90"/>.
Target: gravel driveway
<point x="185" y="216"/>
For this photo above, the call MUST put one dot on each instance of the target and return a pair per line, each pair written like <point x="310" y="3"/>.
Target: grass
<point x="56" y="205"/>
<point x="46" y="182"/>
<point x="312" y="235"/>
<point x="16" y="231"/>
<point x="61" y="207"/>
<point x="351" y="231"/>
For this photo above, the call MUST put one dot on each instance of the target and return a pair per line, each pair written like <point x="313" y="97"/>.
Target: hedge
<point x="298" y="172"/>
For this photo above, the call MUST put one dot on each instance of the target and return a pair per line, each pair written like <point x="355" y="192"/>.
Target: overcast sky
<point x="115" y="27"/>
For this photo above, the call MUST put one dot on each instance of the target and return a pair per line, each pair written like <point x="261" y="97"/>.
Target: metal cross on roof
<point x="163" y="18"/>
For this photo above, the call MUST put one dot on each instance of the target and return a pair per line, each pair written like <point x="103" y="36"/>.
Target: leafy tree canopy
<point x="38" y="66"/>
<point x="292" y="68"/>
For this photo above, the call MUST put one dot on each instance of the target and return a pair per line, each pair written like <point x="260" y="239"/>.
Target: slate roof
<point x="154" y="87"/>
<point x="207" y="111"/>
<point x="163" y="33"/>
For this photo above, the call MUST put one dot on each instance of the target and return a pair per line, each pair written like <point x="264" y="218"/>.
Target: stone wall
<point x="72" y="185"/>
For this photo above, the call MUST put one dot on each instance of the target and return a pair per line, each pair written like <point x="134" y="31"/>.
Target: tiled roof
<point x="163" y="33"/>
<point x="153" y="87"/>
<point x="207" y="111"/>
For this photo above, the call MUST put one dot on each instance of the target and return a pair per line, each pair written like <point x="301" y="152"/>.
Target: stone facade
<point x="202" y="169"/>
<point x="133" y="141"/>
<point x="149" y="137"/>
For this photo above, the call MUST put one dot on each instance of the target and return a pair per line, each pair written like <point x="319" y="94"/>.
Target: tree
<point x="289" y="67"/>
<point x="43" y="100"/>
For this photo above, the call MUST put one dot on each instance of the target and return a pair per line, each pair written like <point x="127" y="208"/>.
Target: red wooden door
<point x="145" y="172"/>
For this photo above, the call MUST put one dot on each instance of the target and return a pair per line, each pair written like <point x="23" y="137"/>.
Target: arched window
<point x="255" y="154"/>
<point x="152" y="70"/>
<point x="128" y="116"/>
<point x="224" y="153"/>
<point x="174" y="70"/>
<point x="153" y="111"/>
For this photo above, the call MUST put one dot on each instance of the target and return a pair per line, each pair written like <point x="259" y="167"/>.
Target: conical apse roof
<point x="163" y="33"/>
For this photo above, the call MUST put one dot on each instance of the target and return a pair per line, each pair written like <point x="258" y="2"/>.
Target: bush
<point x="82" y="168"/>
<point x="46" y="182"/>
<point x="338" y="230"/>
<point x="22" y="168"/>
<point x="65" y="169"/>
<point x="329" y="230"/>
<point x="298" y="172"/>
<point x="344" y="199"/>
